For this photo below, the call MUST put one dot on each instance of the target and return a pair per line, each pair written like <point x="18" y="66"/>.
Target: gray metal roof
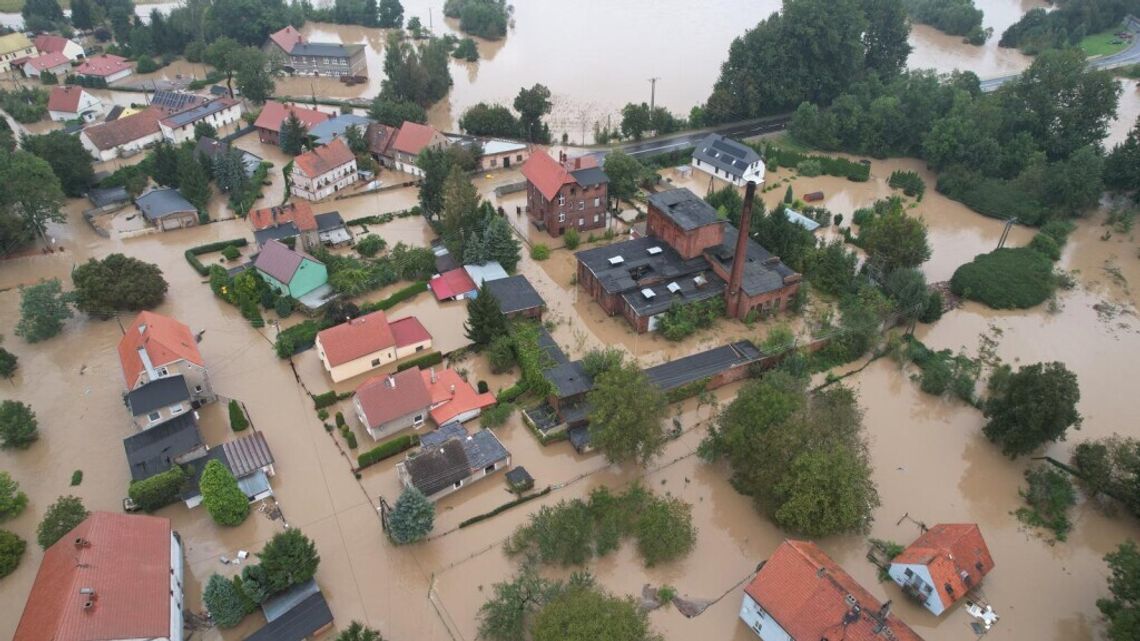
<point x="579" y="437"/>
<point x="442" y="435"/>
<point x="590" y="176"/>
<point x="175" y="100"/>
<point x="695" y="367"/>
<point x="685" y="209"/>
<point x="247" y="454"/>
<point x="762" y="273"/>
<point x="277" y="232"/>
<point x="515" y="294"/>
<point x="298" y="623"/>
<point x="326" y="131"/>
<point x="279" y="261"/>
<point x="569" y="379"/>
<point x="160" y="203"/>
<point x="727" y="154"/>
<point x="277" y="605"/>
<point x="482" y="448"/>
<point x="108" y="196"/>
<point x="324" y="49"/>
<point x="329" y="221"/>
<point x="550" y="347"/>
<point x="638" y="266"/>
<point x="691" y="288"/>
<point x="159" y="393"/>
<point x="519" y="475"/>
<point x="153" y="451"/>
<point x="440" y="466"/>
<point x="195" y="114"/>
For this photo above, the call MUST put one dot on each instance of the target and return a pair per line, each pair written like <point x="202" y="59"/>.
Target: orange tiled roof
<point x="948" y="550"/>
<point x="385" y="398"/>
<point x="811" y="597"/>
<point x="452" y="396"/>
<point x="413" y="137"/>
<point x="548" y="175"/>
<point x="300" y="213"/>
<point x="356" y="338"/>
<point x="165" y="340"/>
<point x="324" y="159"/>
<point x="102" y="65"/>
<point x="274" y="113"/>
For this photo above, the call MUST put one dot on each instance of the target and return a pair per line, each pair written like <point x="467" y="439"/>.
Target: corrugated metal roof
<point x="247" y="454"/>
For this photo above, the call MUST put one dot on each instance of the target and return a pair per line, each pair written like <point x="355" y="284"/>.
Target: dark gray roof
<point x="591" y="176"/>
<point x="279" y="604"/>
<point x="445" y="263"/>
<point x="161" y="392"/>
<point x="114" y="113"/>
<point x="575" y="414"/>
<point x="108" y="196"/>
<point x="481" y="448"/>
<point x="324" y="49"/>
<point x="691" y="288"/>
<point x="218" y="90"/>
<point x="325" y="132"/>
<point x="195" y="114"/>
<point x="579" y="437"/>
<point x="727" y="154"/>
<point x="153" y="451"/>
<point x="297" y="624"/>
<point x="550" y="346"/>
<point x="247" y="454"/>
<point x="515" y="294"/>
<point x="762" y="273"/>
<point x="569" y="379"/>
<point x="329" y="220"/>
<point x="687" y="210"/>
<point x="518" y="475"/>
<point x="638" y="267"/>
<point x="173" y="101"/>
<point x="442" y="435"/>
<point x="160" y="203"/>
<point x="440" y="466"/>
<point x="695" y="367"/>
<point x="277" y="232"/>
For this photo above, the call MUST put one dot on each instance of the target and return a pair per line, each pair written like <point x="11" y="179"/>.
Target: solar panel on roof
<point x="731" y="150"/>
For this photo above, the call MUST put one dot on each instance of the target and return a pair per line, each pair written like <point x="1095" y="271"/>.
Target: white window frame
<point x="561" y="199"/>
<point x="162" y="371"/>
<point x="561" y="216"/>
<point x="154" y="416"/>
<point x="176" y="409"/>
<point x="418" y="419"/>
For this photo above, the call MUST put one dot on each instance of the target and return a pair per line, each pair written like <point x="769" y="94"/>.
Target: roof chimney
<point x="81" y="542"/>
<point x="736" y="279"/>
<point x="391" y="381"/>
<point x="433" y="379"/>
<point x="151" y="374"/>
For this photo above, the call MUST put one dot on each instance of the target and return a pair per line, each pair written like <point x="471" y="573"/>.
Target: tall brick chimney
<point x="740" y="256"/>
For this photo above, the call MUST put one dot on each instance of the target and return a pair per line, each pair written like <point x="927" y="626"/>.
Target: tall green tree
<point x="294" y="136"/>
<point x="1122" y="610"/>
<point x="12" y="550"/>
<point x="67" y="158"/>
<point x="1033" y="406"/>
<point x="224" y="601"/>
<point x="485" y="321"/>
<point x="60" y="518"/>
<point x="533" y="104"/>
<point x="483" y="119"/>
<point x="460" y="206"/>
<point x="12" y="499"/>
<point x="43" y="310"/>
<point x="357" y="631"/>
<point x="8" y="363"/>
<point x="627" y="419"/>
<point x="635" y="120"/>
<point x="164" y="164"/>
<point x="507" y="614"/>
<point x="193" y="179"/>
<point x="437" y="165"/>
<point x="18" y="425"/>
<point x="288" y="559"/>
<point x="625" y="173"/>
<point x="255" y="75"/>
<point x="42" y="15"/>
<point x="83" y="14"/>
<point x="395" y="113"/>
<point x="588" y="614"/>
<point x="885" y="40"/>
<point x="1122" y="167"/>
<point x="30" y="190"/>
<point x="225" y="55"/>
<point x="223" y="499"/>
<point x="391" y="14"/>
<point x="895" y="240"/>
<point x="500" y="244"/>
<point x="117" y="283"/>
<point x="412" y="517"/>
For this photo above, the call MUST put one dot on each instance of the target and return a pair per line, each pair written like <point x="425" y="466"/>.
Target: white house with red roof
<point x="368" y="342"/>
<point x="220" y="113"/>
<point x="321" y="172"/>
<point x="49" y="43"/>
<point x="72" y="102"/>
<point x="801" y="594"/>
<point x="392" y="403"/>
<point x="115" y="576"/>
<point x="274" y="114"/>
<point x="157" y="346"/>
<point x="55" y="63"/>
<point x="106" y="67"/>
<point x="411" y="139"/>
<point x="943" y="565"/>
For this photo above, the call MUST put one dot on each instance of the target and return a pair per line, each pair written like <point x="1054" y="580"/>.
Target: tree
<point x="229" y="173"/>
<point x="1110" y="467"/>
<point x="294" y="135"/>
<point x="224" y="601"/>
<point x="42" y="15"/>
<point x="1032" y="406"/>
<point x="18" y="425"/>
<point x="500" y="244"/>
<point x="12" y="500"/>
<point x="117" y="283"/>
<point x="83" y="14"/>
<point x="412" y="517"/>
<point x="165" y="164"/>
<point x="225" y="55"/>
<point x="43" y="310"/>
<point x="31" y="191"/>
<point x="466" y="50"/>
<point x="907" y="288"/>
<point x="223" y="499"/>
<point x="193" y="180"/>
<point x="1122" y="167"/>
<point x="626" y="421"/>
<point x="506" y="615"/>
<point x="895" y="240"/>
<point x="885" y="40"/>
<point x="391" y="14"/>
<point x="485" y="321"/>
<point x="831" y="268"/>
<point x="395" y="113"/>
<point x="437" y="165"/>
<point x="1122" y="611"/>
<point x="532" y="104"/>
<point x="483" y="119"/>
<point x="11" y="551"/>
<point x="635" y="120"/>
<point x="726" y="201"/>
<point x="460" y="207"/>
<point x="289" y="558"/>
<point x="8" y="363"/>
<point x="68" y="160"/>
<point x="255" y="583"/>
<point x="203" y="129"/>
<point x="665" y="531"/>
<point x="255" y="75"/>
<point x="587" y="614"/>
<point x="60" y="518"/>
<point x="625" y="173"/>
<point x="357" y="631"/>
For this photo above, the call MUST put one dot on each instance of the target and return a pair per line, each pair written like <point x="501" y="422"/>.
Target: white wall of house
<point x="118" y="75"/>
<point x="160" y="415"/>
<point x="110" y="154"/>
<point x="197" y="378"/>
<point x="7" y="58"/>
<point x="918" y="577"/>
<point x="175" y="588"/>
<point x="325" y="185"/>
<point x="219" y="120"/>
<point x="72" y="50"/>
<point x="760" y="622"/>
<point x="357" y="366"/>
<point x="59" y="70"/>
<point x="87" y="104"/>
<point x="415" y="419"/>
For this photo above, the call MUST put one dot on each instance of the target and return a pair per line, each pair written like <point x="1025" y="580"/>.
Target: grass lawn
<point x="1101" y="44"/>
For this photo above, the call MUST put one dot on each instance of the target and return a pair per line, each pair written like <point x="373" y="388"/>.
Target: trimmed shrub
<point x="296" y="339"/>
<point x="283" y="306"/>
<point x="76" y="477"/>
<point x="159" y="490"/>
<point x="340" y="422"/>
<point x="1008" y="278"/>
<point x="427" y="360"/>
<point x="321" y="401"/>
<point x="387" y="449"/>
<point x="231" y="253"/>
<point x="238" y="421"/>
<point x="350" y="439"/>
<point x="193" y="253"/>
<point x="223" y="499"/>
<point x="512" y="393"/>
<point x="497" y="415"/>
<point x="482" y="387"/>
<point x="571" y="239"/>
<point x="540" y="252"/>
<point x="399" y="296"/>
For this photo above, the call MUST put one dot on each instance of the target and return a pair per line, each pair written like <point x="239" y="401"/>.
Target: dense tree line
<point x="813" y="50"/>
<point x="483" y="18"/>
<point x="955" y="17"/>
<point x="415" y="73"/>
<point x="1029" y="149"/>
<point x="1040" y="29"/>
<point x="532" y="104"/>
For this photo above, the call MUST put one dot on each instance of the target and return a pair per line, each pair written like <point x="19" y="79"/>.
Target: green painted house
<point x="291" y="273"/>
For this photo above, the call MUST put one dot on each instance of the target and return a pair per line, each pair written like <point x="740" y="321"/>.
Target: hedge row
<point x="512" y="393"/>
<point x="387" y="449"/>
<point x="687" y="390"/>
<point x="427" y="360"/>
<point x="841" y="167"/>
<point x="297" y="338"/>
<point x="380" y="219"/>
<point x="193" y="253"/>
<point x="321" y="401"/>
<point x="504" y="507"/>
<point x="159" y="490"/>
<point x="399" y="296"/>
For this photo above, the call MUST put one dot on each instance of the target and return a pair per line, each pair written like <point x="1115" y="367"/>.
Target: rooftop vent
<point x="81" y="542"/>
<point x="850" y="599"/>
<point x="674" y="287"/>
<point x="648" y="293"/>
<point x="653" y="251"/>
<point x="617" y="260"/>
<point x="700" y="281"/>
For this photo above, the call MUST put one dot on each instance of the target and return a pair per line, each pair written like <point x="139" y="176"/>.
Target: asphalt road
<point x="665" y="144"/>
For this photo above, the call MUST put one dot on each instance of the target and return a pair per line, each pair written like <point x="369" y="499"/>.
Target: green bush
<point x="76" y="477"/>
<point x="223" y="499"/>
<point x="387" y="449"/>
<point x="539" y="252"/>
<point x="238" y="421"/>
<point x="159" y="490"/>
<point x="680" y="321"/>
<point x="1048" y="497"/>
<point x="908" y="181"/>
<point x="11" y="551"/>
<point x="370" y="245"/>
<point x="399" y="296"/>
<point x="340" y="422"/>
<point x="1058" y="230"/>
<point x="482" y="387"/>
<point x="501" y="354"/>
<point x="840" y="167"/>
<point x="571" y="239"/>
<point x="322" y="414"/>
<point x="512" y="393"/>
<point x="193" y="253"/>
<point x="146" y="64"/>
<point x="321" y="401"/>
<point x="1008" y="278"/>
<point x="231" y="253"/>
<point x="933" y="310"/>
<point x="427" y="360"/>
<point x="497" y="415"/>
<point x="296" y="339"/>
<point x="1045" y="245"/>
<point x="283" y="306"/>
<point x="809" y="168"/>
<point x="350" y="439"/>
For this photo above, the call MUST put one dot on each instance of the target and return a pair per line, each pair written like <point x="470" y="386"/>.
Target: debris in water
<point x="690" y="608"/>
<point x="986" y="614"/>
<point x="649" y="601"/>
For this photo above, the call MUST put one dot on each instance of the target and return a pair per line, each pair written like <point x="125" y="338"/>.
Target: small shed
<point x="517" y="297"/>
<point x="485" y="273"/>
<point x="167" y="209"/>
<point x="519" y="480"/>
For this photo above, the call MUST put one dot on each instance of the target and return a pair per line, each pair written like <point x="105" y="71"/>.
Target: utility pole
<point x="431" y="27"/>
<point x="1005" y="232"/>
<point x="652" y="92"/>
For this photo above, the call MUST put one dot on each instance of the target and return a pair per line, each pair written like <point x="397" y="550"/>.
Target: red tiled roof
<point x="47" y="43"/>
<point x="409" y="331"/>
<point x="300" y="213"/>
<point x="545" y="173"/>
<point x="381" y="138"/>
<point x="452" y="396"/>
<point x="48" y="61"/>
<point x="125" y="561"/>
<point x="384" y="398"/>
<point x="65" y="98"/>
<point x="120" y="131"/>
<point x="102" y="65"/>
<point x="413" y="137"/>
<point x="164" y="339"/>
<point x="286" y="38"/>
<point x="274" y="113"/>
<point x="948" y="550"/>
<point x="809" y="596"/>
<point x="356" y="338"/>
<point x="324" y="159"/>
<point x="452" y="283"/>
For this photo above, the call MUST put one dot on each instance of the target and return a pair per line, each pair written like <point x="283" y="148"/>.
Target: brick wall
<point x="688" y="244"/>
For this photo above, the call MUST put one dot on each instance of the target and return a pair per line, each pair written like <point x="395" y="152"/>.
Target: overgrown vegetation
<point x="1007" y="278"/>
<point x="1031" y="407"/>
<point x="158" y="491"/>
<point x="1110" y="467"/>
<point x="1048" y="496"/>
<point x="953" y="17"/>
<point x="387" y="449"/>
<point x="943" y="372"/>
